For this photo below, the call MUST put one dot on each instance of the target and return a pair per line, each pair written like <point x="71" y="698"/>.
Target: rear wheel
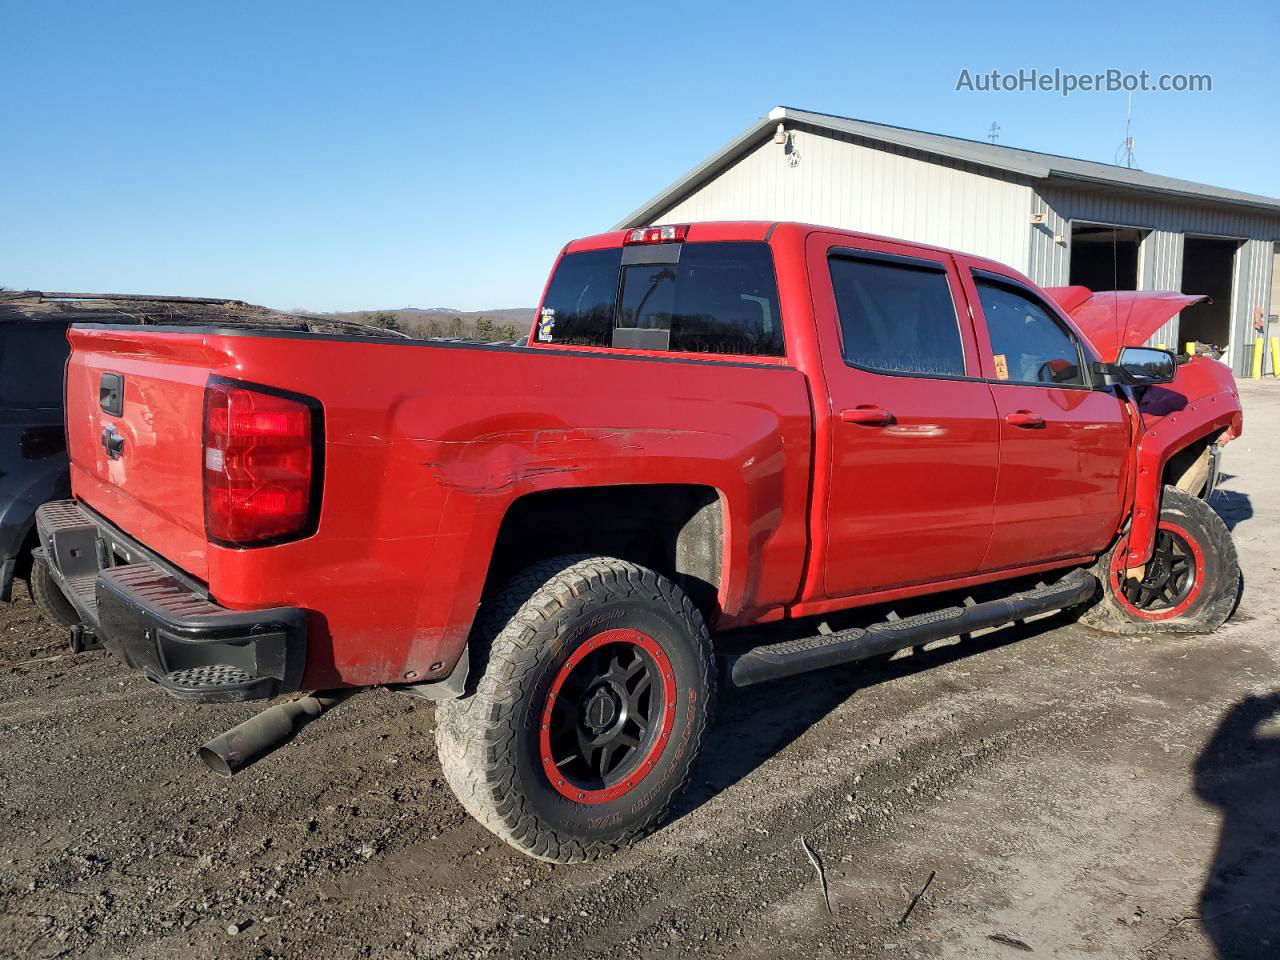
<point x="585" y="725"/>
<point x="1190" y="583"/>
<point x="49" y="598"/>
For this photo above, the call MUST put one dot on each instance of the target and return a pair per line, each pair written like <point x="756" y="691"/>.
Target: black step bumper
<point x="157" y="620"/>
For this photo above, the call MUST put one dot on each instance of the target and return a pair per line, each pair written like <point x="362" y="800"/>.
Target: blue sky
<point x="351" y="156"/>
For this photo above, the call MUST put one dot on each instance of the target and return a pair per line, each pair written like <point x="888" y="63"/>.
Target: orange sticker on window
<point x="1002" y="367"/>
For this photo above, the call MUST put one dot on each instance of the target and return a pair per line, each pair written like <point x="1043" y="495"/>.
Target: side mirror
<point x="1138" y="367"/>
<point x="1147" y="365"/>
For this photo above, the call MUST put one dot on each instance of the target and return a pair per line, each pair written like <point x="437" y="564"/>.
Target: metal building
<point x="1057" y="219"/>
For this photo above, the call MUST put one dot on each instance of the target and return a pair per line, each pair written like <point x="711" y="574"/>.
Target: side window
<point x="897" y="317"/>
<point x="578" y="307"/>
<point x="717" y="298"/>
<point x="1028" y="343"/>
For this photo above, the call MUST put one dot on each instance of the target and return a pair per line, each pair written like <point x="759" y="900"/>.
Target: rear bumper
<point x="157" y="620"/>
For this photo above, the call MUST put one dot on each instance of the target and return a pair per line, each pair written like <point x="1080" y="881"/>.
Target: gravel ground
<point x="1070" y="794"/>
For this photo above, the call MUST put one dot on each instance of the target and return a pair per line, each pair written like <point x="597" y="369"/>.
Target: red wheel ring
<point x="606" y="694"/>
<point x="1177" y="552"/>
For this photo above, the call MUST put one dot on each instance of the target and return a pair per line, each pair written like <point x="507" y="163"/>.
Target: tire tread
<point x="475" y="734"/>
<point x="48" y="597"/>
<point x="1206" y="617"/>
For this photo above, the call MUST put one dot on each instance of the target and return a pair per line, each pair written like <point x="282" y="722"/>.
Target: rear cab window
<point x="718" y="298"/>
<point x="579" y="307"/>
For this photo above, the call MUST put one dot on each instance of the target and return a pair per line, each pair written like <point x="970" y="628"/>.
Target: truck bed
<point x="426" y="447"/>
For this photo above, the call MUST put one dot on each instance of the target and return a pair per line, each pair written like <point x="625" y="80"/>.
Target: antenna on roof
<point x="994" y="133"/>
<point x="1124" y="153"/>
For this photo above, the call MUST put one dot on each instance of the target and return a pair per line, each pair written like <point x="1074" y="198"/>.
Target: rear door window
<point x="716" y="298"/>
<point x="897" y="316"/>
<point x="1028" y="343"/>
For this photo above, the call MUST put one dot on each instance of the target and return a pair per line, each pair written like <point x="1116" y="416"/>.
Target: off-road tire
<point x="527" y="635"/>
<point x="49" y="598"/>
<point x="1214" y="593"/>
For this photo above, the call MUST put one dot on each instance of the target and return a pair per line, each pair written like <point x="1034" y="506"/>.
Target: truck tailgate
<point x="135" y="402"/>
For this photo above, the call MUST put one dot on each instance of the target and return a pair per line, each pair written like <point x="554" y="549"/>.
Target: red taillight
<point x="674" y="233"/>
<point x="260" y="465"/>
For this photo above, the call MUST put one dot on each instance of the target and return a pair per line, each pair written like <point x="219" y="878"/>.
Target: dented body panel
<point x="422" y="461"/>
<point x="429" y="446"/>
<point x="1202" y="401"/>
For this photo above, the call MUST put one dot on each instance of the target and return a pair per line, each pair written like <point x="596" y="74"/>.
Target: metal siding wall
<point x="1162" y="270"/>
<point x="1252" y="289"/>
<point x="1047" y="259"/>
<point x="1275" y="280"/>
<point x="892" y="191"/>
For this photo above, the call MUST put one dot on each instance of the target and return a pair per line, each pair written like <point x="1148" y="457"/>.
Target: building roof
<point x="1028" y="163"/>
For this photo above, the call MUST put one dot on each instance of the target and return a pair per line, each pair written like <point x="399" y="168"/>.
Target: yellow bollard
<point x="1257" y="358"/>
<point x="1191" y="348"/>
<point x="1275" y="356"/>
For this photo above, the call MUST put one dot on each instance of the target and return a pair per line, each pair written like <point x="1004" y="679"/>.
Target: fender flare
<point x="1159" y="442"/>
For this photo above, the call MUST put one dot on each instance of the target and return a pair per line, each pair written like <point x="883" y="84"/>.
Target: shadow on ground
<point x="1232" y="506"/>
<point x="1238" y="771"/>
<point x="758" y="722"/>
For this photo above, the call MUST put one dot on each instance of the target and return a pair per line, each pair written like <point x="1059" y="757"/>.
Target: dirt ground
<point x="1070" y="794"/>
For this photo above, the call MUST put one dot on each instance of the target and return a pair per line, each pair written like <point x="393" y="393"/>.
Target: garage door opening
<point x="1105" y="258"/>
<point x="1208" y="266"/>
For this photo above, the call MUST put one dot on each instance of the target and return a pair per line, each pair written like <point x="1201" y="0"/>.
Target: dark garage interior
<point x="1105" y="258"/>
<point x="1208" y="266"/>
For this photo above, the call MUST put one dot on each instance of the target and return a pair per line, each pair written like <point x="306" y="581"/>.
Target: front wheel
<point x="1190" y="585"/>
<point x="590" y="713"/>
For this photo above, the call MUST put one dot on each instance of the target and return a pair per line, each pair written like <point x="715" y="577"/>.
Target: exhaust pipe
<point x="258" y="736"/>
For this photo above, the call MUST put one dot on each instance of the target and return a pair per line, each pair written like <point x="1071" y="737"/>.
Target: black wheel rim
<point x="606" y="716"/>
<point x="1169" y="578"/>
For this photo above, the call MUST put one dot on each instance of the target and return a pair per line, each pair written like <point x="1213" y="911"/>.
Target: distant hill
<point x="507" y="323"/>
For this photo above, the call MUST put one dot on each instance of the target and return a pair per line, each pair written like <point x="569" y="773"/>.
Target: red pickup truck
<point x="849" y="445"/>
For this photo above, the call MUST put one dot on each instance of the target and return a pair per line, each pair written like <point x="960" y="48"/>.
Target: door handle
<point x="868" y="415"/>
<point x="1025" y="418"/>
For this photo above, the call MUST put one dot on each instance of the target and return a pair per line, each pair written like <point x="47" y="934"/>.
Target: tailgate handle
<point x="112" y="441"/>
<point x="111" y="394"/>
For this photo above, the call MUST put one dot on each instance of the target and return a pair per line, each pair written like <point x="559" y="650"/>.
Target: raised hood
<point x="1113" y="319"/>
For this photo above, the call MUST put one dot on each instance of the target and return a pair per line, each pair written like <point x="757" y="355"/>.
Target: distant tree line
<point x="479" y="328"/>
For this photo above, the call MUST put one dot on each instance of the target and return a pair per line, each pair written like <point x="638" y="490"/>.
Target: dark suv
<point x="33" y="446"/>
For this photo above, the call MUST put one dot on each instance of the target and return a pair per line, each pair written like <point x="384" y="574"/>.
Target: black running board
<point x="813" y="653"/>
